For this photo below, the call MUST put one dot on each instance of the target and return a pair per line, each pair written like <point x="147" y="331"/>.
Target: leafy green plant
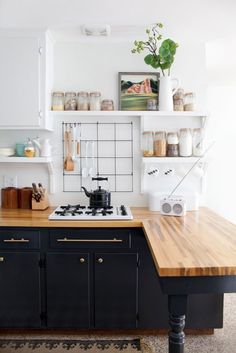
<point x="160" y="56"/>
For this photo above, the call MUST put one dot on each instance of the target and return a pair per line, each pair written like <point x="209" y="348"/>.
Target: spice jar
<point x="185" y="143"/>
<point x="198" y="142"/>
<point x="147" y="144"/>
<point x="70" y="101"/>
<point x="151" y="104"/>
<point x="95" y="101"/>
<point x="178" y="105"/>
<point x="58" y="101"/>
<point x="107" y="104"/>
<point x="189" y="101"/>
<point x="83" y="101"/>
<point x="172" y="144"/>
<point x="160" y="144"/>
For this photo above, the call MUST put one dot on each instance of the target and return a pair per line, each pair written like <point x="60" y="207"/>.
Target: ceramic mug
<point x="20" y="149"/>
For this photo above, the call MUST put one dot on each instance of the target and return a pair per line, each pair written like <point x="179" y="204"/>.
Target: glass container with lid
<point x="160" y="144"/>
<point x="147" y="144"/>
<point x="83" y="101"/>
<point x="185" y="142"/>
<point x="172" y="144"/>
<point x="198" y="142"/>
<point x="70" y="101"/>
<point x="189" y="101"/>
<point x="95" y="101"/>
<point x="58" y="101"/>
<point x="107" y="104"/>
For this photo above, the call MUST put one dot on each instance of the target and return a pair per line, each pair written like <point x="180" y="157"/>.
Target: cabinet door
<point x="20" y="290"/>
<point x="116" y="290"/>
<point x="68" y="301"/>
<point x="20" y="64"/>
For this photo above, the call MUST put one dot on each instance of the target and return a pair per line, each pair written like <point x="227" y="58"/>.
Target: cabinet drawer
<point x="19" y="239"/>
<point x="90" y="238"/>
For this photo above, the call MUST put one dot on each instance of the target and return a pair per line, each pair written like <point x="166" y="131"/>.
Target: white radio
<point x="173" y="206"/>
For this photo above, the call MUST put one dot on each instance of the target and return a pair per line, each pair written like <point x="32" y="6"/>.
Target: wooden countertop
<point x="200" y="244"/>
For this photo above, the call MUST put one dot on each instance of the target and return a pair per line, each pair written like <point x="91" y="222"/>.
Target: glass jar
<point x="107" y="104"/>
<point x="147" y="144"/>
<point x="29" y="149"/>
<point x="178" y="105"/>
<point x="160" y="144"/>
<point x="189" y="101"/>
<point x="70" y="101"/>
<point x="83" y="101"/>
<point x="58" y="101"/>
<point x="172" y="144"/>
<point x="151" y="104"/>
<point x="95" y="101"/>
<point x="179" y="94"/>
<point x="198" y="142"/>
<point x="185" y="143"/>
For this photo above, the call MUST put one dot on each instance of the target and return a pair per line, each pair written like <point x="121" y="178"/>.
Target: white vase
<point x="167" y="88"/>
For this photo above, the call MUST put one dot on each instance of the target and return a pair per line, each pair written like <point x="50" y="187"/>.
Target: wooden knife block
<point x="41" y="205"/>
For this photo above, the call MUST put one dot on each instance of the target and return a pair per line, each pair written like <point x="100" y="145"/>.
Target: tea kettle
<point x="99" y="198"/>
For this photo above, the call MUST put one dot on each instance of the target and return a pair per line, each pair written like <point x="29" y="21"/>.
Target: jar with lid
<point x="29" y="149"/>
<point x="160" y="144"/>
<point x="185" y="143"/>
<point x="172" y="144"/>
<point x="189" y="101"/>
<point x="107" y="104"/>
<point x="95" y="101"/>
<point x="58" y="101"/>
<point x="151" y="104"/>
<point x="147" y="144"/>
<point x="70" y="101"/>
<point x="83" y="101"/>
<point x="198" y="142"/>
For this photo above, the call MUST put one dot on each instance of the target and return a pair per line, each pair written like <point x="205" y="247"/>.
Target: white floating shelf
<point x="128" y="113"/>
<point x="166" y="160"/>
<point x="45" y="160"/>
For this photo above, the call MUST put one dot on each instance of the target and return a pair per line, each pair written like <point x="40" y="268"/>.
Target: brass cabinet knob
<point x="1" y="259"/>
<point x="100" y="260"/>
<point x="81" y="260"/>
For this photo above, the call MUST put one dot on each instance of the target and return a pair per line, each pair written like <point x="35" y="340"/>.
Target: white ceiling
<point x="184" y="19"/>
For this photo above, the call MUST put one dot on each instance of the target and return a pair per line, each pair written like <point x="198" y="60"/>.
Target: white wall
<point x="94" y="66"/>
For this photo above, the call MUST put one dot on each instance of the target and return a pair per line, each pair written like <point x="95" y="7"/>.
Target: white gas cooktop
<point x="80" y="213"/>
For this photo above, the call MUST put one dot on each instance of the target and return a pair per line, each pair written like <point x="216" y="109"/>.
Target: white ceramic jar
<point x="185" y="143"/>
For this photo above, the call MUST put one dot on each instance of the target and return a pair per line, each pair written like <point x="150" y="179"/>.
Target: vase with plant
<point x="161" y="56"/>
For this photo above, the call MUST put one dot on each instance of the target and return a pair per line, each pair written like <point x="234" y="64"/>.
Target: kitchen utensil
<point x="68" y="164"/>
<point x="74" y="147"/>
<point x="85" y="167"/>
<point x="78" y="138"/>
<point x="99" y="197"/>
<point x="92" y="171"/>
<point x="7" y="152"/>
<point x="36" y="195"/>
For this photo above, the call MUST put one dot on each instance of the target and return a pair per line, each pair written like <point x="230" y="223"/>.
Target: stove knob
<point x="81" y="260"/>
<point x="100" y="260"/>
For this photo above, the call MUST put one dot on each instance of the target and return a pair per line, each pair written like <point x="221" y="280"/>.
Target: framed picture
<point x="136" y="88"/>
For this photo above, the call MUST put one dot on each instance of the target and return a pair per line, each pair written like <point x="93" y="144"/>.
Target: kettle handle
<point x="100" y="179"/>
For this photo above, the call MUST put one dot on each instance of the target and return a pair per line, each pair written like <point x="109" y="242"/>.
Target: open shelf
<point x="45" y="160"/>
<point x="127" y="113"/>
<point x="170" y="159"/>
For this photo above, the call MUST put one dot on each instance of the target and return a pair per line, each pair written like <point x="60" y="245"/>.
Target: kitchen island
<point x="193" y="254"/>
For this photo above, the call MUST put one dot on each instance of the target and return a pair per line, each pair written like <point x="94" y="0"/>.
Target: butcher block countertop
<point x="200" y="244"/>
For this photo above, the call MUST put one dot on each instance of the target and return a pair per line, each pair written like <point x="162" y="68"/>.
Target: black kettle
<point x="99" y="198"/>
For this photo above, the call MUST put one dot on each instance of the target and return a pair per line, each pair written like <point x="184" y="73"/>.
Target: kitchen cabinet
<point x="68" y="290"/>
<point x="26" y="79"/>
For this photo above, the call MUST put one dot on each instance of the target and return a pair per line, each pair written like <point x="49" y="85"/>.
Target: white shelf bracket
<point x="51" y="178"/>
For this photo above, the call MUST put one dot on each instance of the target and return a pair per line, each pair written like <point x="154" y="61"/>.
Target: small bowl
<point x="7" y="151"/>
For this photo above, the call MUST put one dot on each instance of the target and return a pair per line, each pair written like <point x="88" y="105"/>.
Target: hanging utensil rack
<point x="120" y="181"/>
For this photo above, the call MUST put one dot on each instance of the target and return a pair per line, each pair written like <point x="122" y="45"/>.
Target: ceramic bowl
<point x="7" y="151"/>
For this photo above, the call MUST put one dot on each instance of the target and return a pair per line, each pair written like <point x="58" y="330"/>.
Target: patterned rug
<point x="76" y="346"/>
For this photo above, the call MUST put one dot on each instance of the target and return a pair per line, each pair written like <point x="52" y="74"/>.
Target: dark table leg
<point x="177" y="305"/>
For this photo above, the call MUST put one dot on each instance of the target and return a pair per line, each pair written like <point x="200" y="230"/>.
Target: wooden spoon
<point x="68" y="164"/>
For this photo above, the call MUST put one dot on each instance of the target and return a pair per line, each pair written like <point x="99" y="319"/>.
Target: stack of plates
<point x="7" y="151"/>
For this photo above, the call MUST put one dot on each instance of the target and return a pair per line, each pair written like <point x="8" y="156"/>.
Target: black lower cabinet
<point x="115" y="287"/>
<point x="68" y="292"/>
<point x="20" y="290"/>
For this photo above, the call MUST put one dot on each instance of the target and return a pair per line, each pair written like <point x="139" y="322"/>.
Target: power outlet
<point x="10" y="181"/>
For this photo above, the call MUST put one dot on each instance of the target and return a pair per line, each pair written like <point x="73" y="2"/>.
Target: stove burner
<point x="68" y="207"/>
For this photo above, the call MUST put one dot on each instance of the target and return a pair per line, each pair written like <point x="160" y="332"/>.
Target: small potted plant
<point x="161" y="56"/>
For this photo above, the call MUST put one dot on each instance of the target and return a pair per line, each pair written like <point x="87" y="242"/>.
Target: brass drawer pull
<point x="66" y="240"/>
<point x="1" y="259"/>
<point x="12" y="240"/>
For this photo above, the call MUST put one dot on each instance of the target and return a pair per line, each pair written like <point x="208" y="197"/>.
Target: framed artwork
<point x="136" y="88"/>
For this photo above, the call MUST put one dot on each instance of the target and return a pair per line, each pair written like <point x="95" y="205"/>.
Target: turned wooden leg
<point x="177" y="309"/>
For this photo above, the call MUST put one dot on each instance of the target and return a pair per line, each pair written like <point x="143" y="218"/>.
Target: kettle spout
<point x="88" y="194"/>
